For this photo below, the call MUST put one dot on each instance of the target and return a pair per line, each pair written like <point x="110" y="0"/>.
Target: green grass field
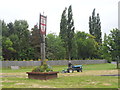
<point x="89" y="78"/>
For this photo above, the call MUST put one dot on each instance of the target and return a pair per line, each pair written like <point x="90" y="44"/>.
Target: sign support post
<point x="43" y="50"/>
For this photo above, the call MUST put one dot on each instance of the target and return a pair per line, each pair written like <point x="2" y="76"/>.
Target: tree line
<point x="20" y="43"/>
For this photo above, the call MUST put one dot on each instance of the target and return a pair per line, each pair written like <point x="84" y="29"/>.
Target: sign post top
<point x="42" y="24"/>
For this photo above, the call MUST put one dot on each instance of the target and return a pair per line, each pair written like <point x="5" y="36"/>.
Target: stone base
<point x="42" y="75"/>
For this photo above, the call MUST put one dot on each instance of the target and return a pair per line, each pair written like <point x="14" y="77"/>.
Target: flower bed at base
<point x="42" y="75"/>
<point x="42" y="72"/>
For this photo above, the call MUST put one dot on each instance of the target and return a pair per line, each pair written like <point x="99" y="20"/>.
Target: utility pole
<point x="118" y="59"/>
<point x="119" y="15"/>
<point x="42" y="27"/>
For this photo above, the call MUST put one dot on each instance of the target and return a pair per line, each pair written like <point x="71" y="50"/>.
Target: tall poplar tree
<point x="63" y="26"/>
<point x="67" y="30"/>
<point x="70" y="31"/>
<point x="95" y="27"/>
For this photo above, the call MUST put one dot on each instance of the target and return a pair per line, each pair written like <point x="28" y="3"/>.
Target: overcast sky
<point x="29" y="10"/>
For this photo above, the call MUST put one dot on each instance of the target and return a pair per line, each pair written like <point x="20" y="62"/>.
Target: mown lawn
<point x="89" y="78"/>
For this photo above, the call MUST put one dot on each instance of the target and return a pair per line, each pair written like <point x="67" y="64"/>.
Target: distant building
<point x="119" y="15"/>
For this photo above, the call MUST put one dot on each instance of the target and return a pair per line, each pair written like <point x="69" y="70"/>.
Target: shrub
<point x="43" y="68"/>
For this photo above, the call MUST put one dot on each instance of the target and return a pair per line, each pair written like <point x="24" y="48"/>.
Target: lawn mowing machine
<point x="77" y="68"/>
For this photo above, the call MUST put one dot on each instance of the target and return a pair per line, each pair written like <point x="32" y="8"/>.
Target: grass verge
<point x="89" y="78"/>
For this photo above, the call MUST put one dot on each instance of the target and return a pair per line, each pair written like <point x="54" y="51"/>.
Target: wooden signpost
<point x="42" y="75"/>
<point x="42" y="27"/>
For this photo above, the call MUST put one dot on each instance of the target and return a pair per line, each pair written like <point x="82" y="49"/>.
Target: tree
<point x="70" y="31"/>
<point x="114" y="44"/>
<point x="4" y="29"/>
<point x="67" y="30"/>
<point x="95" y="27"/>
<point x="86" y="45"/>
<point x="63" y="26"/>
<point x="74" y="49"/>
<point x="11" y="29"/>
<point x="92" y="20"/>
<point x="23" y="35"/>
<point x="105" y="49"/>
<point x="55" y="49"/>
<point x="111" y="46"/>
<point x="7" y="44"/>
<point x="17" y="36"/>
<point x="63" y="29"/>
<point x="7" y="48"/>
<point x="35" y="42"/>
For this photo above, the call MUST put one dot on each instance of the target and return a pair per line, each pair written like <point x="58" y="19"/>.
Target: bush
<point x="43" y="68"/>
